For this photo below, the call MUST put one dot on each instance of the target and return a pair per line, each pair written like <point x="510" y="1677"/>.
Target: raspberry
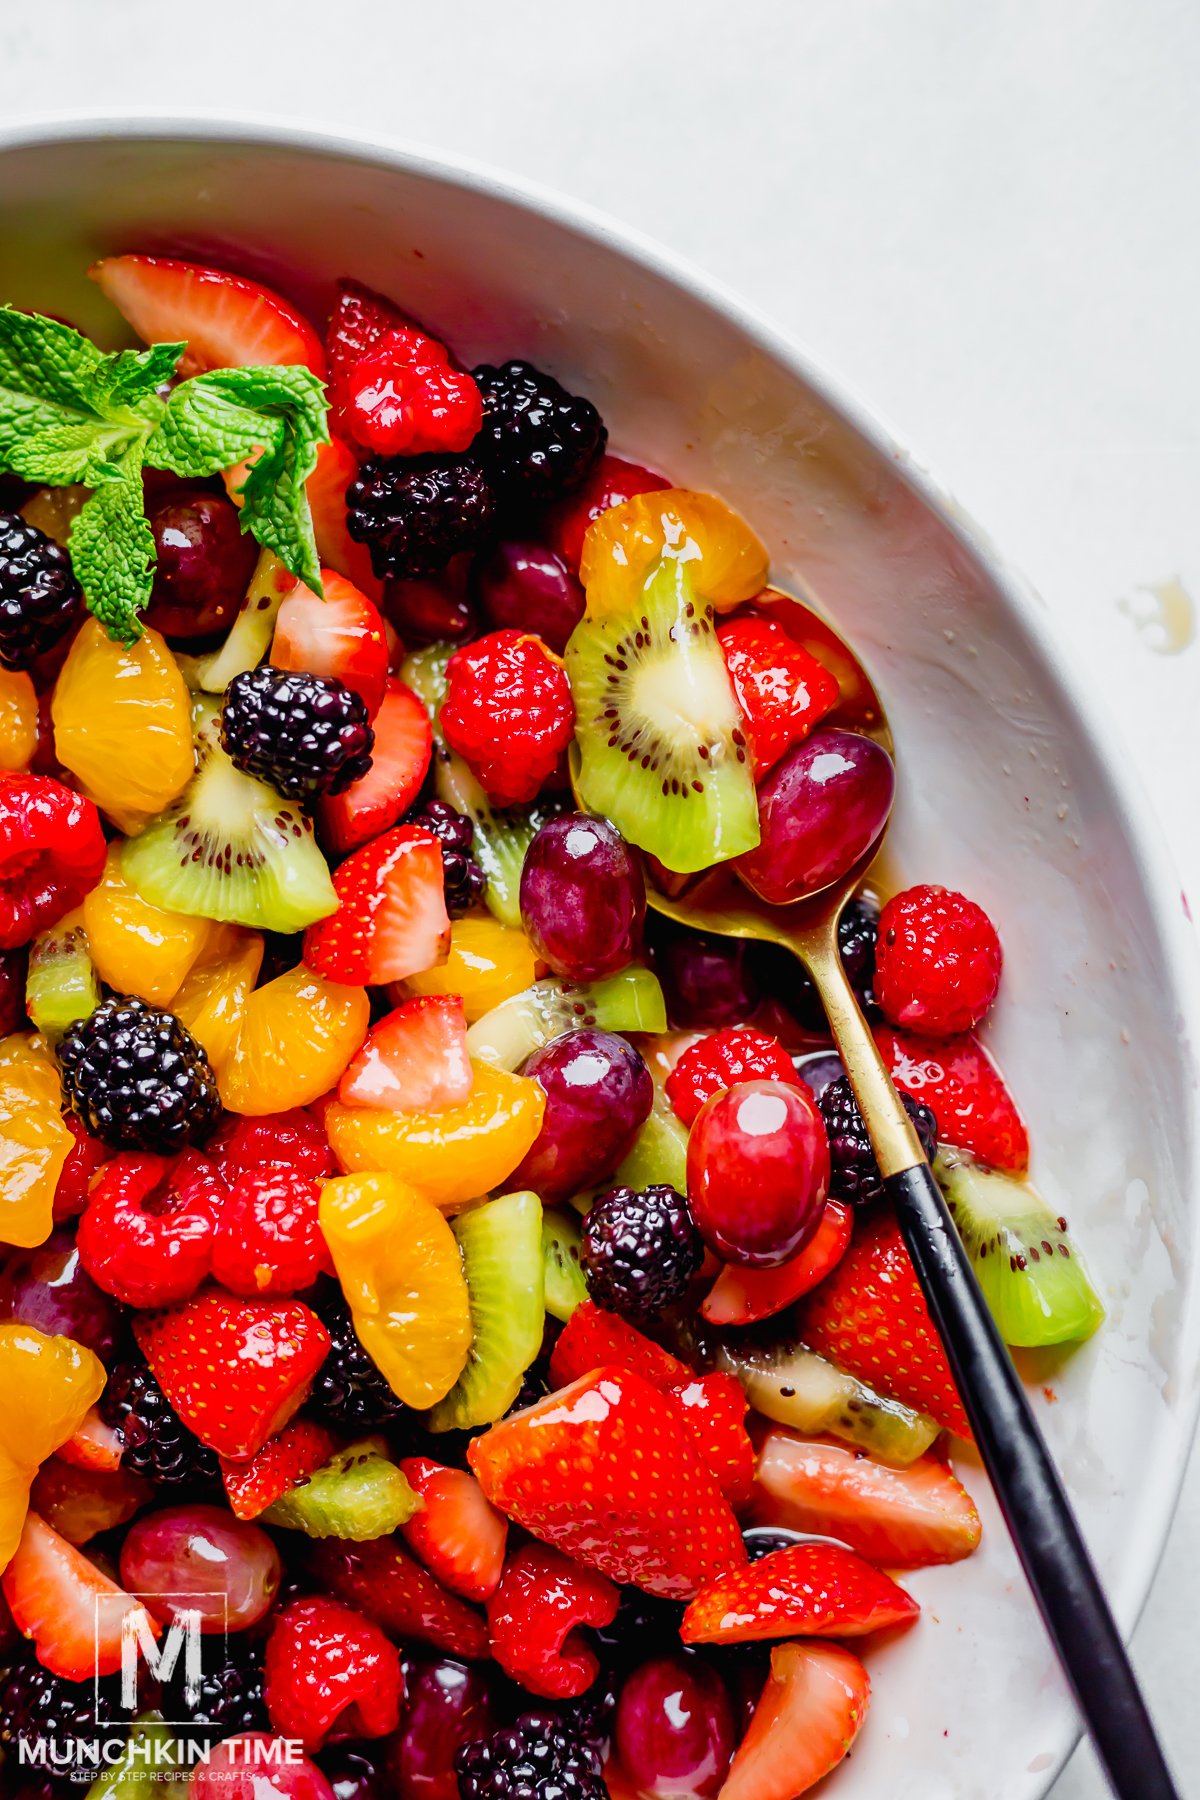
<point x="269" y="1240"/>
<point x="289" y="1140"/>
<point x="359" y="321"/>
<point x="51" y="854"/>
<point x="937" y="966"/>
<point x="349" y="1390"/>
<point x="304" y="734"/>
<point x="137" y="1078"/>
<point x="739" y="1053"/>
<point x="534" y="1616"/>
<point x="86" y="1155"/>
<point x="854" y="1173"/>
<point x="465" y="882"/>
<point x="640" y="1251"/>
<point x="40" y="598"/>
<point x="539" y="1757"/>
<point x="156" y="1441"/>
<point x="508" y="712"/>
<point x="415" y="513"/>
<point x="147" y="1234"/>
<point x="537" y="441"/>
<point x="328" y="1666"/>
<point x="406" y="400"/>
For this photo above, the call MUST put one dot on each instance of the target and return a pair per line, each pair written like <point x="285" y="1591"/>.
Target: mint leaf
<point x="112" y="549"/>
<point x="45" y="360"/>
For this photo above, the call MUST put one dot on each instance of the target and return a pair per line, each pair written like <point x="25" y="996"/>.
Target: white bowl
<point x="1012" y="785"/>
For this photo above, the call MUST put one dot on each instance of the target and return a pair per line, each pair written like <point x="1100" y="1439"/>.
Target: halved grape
<point x="819" y="811"/>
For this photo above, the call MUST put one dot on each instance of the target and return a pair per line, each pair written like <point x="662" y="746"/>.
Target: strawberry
<point x="360" y="320"/>
<point x="337" y="466"/>
<point x="234" y="1370"/>
<point x="341" y="636"/>
<point x="743" y="1296"/>
<point x="808" y="1590"/>
<point x="713" y="1407"/>
<point x="226" y="321"/>
<point x="94" y="1446"/>
<point x="78" y="1503"/>
<point x="534" y="1618"/>
<point x="606" y="1471"/>
<point x="719" y="1061"/>
<point x="592" y="1337"/>
<point x="457" y="1534"/>
<point x="391" y="919"/>
<point x="384" y="1582"/>
<point x="282" y="1464"/>
<point x="902" y="1518"/>
<point x="415" y="1059"/>
<point x="399" y="763"/>
<point x="957" y="1078"/>
<point x="781" y="688"/>
<point x="60" y="1599"/>
<point x="870" y="1318"/>
<point x="612" y="481"/>
<point x="810" y="1713"/>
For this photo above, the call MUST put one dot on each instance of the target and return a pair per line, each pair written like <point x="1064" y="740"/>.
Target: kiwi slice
<point x="565" y="1287"/>
<point x="629" y="1001"/>
<point x="661" y="750"/>
<point x="230" y="848"/>
<point x="425" y="672"/>
<point x="61" y="984"/>
<point x="251" y="632"/>
<point x="659" y="1155"/>
<point x="501" y="1244"/>
<point x="358" y="1494"/>
<point x="153" y="1766"/>
<point x="794" y="1386"/>
<point x="1030" y="1272"/>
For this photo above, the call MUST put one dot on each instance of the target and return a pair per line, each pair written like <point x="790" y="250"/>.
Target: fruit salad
<point x="461" y="1300"/>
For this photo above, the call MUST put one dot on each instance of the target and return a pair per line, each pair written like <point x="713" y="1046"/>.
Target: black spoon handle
<point x="1031" y="1495"/>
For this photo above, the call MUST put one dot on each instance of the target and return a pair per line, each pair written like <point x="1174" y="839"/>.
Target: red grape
<point x="707" y="980"/>
<point x="203" y="563"/>
<point x="820" y="810"/>
<point x="203" y="1558"/>
<point x="598" y="1096"/>
<point x="253" y="1765"/>
<point x="527" y="586"/>
<point x="583" y="897"/>
<point x="674" y="1728"/>
<point x="50" y="1289"/>
<point x="448" y="1705"/>
<point x="758" y="1172"/>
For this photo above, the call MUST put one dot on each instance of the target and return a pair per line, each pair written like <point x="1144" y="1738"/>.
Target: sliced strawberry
<point x="282" y="1464"/>
<point x="359" y="321"/>
<point x="399" y="764"/>
<point x="337" y="466"/>
<point x="743" y="1296"/>
<point x="870" y="1318"/>
<point x="713" y="1407"/>
<point x="226" y="321"/>
<point x="607" y="1472"/>
<point x="415" y="1059"/>
<point x="94" y="1446"/>
<point x="78" y="1503"/>
<point x="612" y="481"/>
<point x="807" y="1590"/>
<point x="384" y="1582"/>
<point x="958" y="1080"/>
<point x="457" y="1534"/>
<point x="781" y="688"/>
<point x="902" y="1518"/>
<point x="535" y="1616"/>
<point x="592" y="1337"/>
<point x="341" y="636"/>
<point x="391" y="920"/>
<point x="60" y="1599"/>
<point x="234" y="1370"/>
<point x="811" y="1711"/>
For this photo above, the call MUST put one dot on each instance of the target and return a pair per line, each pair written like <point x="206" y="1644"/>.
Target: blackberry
<point x="537" y="441"/>
<point x="349" y="1390"/>
<point x="138" y="1079"/>
<point x="40" y="598"/>
<point x="782" y="975"/>
<point x="464" y="880"/>
<point x="304" y="734"/>
<point x="539" y="1757"/>
<point x="640" y="1251"/>
<point x="39" y="1706"/>
<point x="230" y="1698"/>
<point x="156" y="1441"/>
<point x="854" y="1173"/>
<point x="414" y="513"/>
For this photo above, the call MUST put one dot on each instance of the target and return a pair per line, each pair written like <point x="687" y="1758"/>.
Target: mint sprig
<point x="70" y="413"/>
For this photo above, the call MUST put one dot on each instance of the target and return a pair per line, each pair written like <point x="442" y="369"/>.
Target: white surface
<point x="986" y="218"/>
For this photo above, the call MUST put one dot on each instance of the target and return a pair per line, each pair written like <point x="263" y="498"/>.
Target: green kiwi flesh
<point x="794" y="1386"/>
<point x="631" y="1000"/>
<point x="358" y="1494"/>
<point x="501" y="1245"/>
<point x="565" y="1287"/>
<point x="61" y="985"/>
<point x="231" y="849"/>
<point x="251" y="632"/>
<point x="659" y="1155"/>
<point x="1028" y="1268"/>
<point x="661" y="750"/>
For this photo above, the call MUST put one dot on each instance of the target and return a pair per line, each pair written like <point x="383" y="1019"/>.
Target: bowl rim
<point x="1160" y="882"/>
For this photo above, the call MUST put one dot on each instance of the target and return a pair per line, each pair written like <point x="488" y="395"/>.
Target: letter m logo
<point x="181" y="1638"/>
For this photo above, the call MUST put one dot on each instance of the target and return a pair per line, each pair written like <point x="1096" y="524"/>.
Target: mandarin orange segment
<point x="123" y="724"/>
<point x="487" y="963"/>
<point x="138" y="948"/>
<point x="48" y="1385"/>
<point x="296" y="1036"/>
<point x="727" y="563"/>
<point x="18" y="719"/>
<point x="27" y="1058"/>
<point x="454" y="1154"/>
<point x="402" y="1275"/>
<point x="34" y="1142"/>
<point x="216" y="990"/>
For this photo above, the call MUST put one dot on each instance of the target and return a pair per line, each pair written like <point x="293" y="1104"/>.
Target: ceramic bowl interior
<point x="1010" y="785"/>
